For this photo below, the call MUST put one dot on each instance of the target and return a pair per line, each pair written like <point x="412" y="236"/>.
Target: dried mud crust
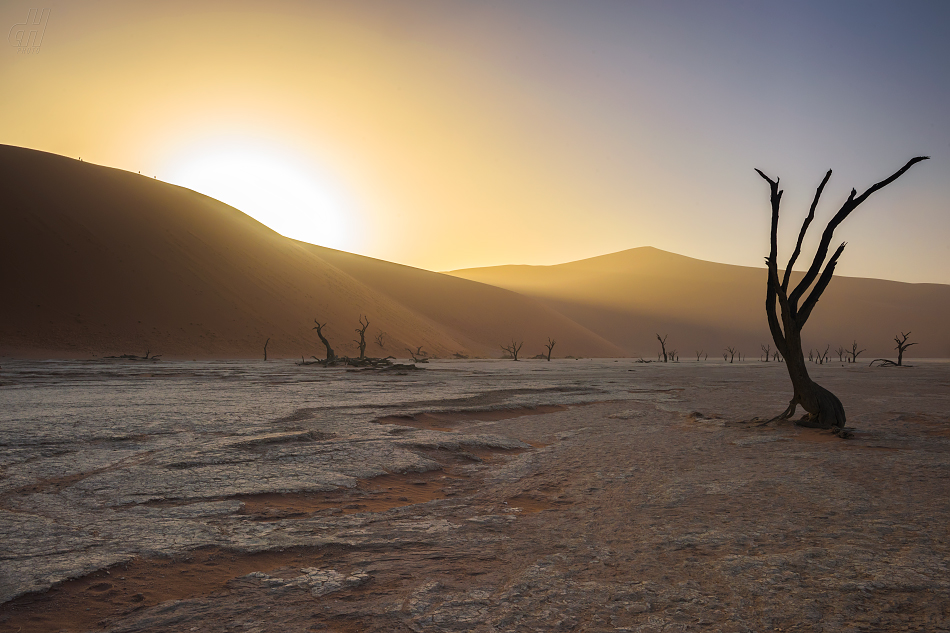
<point x="665" y="512"/>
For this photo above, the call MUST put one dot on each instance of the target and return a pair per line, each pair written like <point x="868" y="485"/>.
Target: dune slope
<point x="99" y="261"/>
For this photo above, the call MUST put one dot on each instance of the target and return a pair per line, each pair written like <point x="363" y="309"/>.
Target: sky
<point x="447" y="134"/>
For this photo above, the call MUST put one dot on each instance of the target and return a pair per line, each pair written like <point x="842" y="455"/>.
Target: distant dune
<point x="99" y="261"/>
<point x="628" y="297"/>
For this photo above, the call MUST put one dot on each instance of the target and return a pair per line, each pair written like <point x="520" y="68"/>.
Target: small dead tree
<point x="855" y="352"/>
<point x="361" y="330"/>
<point x="840" y="351"/>
<point x="673" y="356"/>
<point x="823" y="408"/>
<point x="550" y="346"/>
<point x="513" y="348"/>
<point x="323" y="339"/>
<point x="823" y="356"/>
<point x="768" y="350"/>
<point x="725" y="355"/>
<point x="776" y="357"/>
<point x="265" y="348"/>
<point x="902" y="345"/>
<point x="420" y="355"/>
<point x="811" y="356"/>
<point x="662" y="346"/>
<point x="379" y="339"/>
<point x="732" y="353"/>
<point x="698" y="354"/>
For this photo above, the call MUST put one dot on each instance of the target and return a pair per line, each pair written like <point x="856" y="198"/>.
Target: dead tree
<point x="776" y="357"/>
<point x="319" y="328"/>
<point x="732" y="353"/>
<point x="513" y="348"/>
<point x="265" y="348"/>
<point x="379" y="339"/>
<point x="550" y="346"/>
<point x="840" y="351"/>
<point x="662" y="346"/>
<point x="419" y="356"/>
<point x="725" y="355"/>
<point x="698" y="354"/>
<point x="361" y="330"/>
<point x="673" y="356"/>
<point x="823" y="356"/>
<point x="902" y="345"/>
<point x="768" y="350"/>
<point x="823" y="408"/>
<point x="855" y="352"/>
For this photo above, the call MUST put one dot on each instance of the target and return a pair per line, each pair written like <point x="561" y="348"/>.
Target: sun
<point x="274" y="185"/>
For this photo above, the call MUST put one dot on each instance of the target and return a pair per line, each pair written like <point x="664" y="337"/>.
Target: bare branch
<point x="850" y="205"/>
<point x="801" y="236"/>
<point x="819" y="288"/>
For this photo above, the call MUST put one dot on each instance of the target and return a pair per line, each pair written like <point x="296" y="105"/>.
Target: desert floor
<point x="574" y="495"/>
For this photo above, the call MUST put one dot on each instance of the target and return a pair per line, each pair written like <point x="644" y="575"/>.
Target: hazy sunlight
<point x="271" y="184"/>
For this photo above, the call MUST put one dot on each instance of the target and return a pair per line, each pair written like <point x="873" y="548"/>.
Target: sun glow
<point x="284" y="191"/>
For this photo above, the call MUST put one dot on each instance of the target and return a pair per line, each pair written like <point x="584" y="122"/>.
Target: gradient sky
<point x="446" y="134"/>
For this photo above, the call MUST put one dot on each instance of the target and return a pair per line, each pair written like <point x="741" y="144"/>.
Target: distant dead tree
<point x="840" y="351"/>
<point x="732" y="353"/>
<point x="698" y="354"/>
<point x="379" y="339"/>
<point x="673" y="356"/>
<point x="662" y="346"/>
<point x="855" y="352"/>
<point x="513" y="348"/>
<point x="776" y="357"/>
<point x="550" y="346"/>
<point x="265" y="348"/>
<point x="361" y="330"/>
<point x="902" y="345"/>
<point x="823" y="356"/>
<point x="319" y="328"/>
<point x="768" y="350"/>
<point x="725" y="355"/>
<point x="823" y="408"/>
<point x="420" y="355"/>
<point x="811" y="357"/>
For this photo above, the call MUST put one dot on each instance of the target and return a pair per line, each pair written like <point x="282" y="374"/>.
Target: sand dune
<point x="99" y="261"/>
<point x="629" y="296"/>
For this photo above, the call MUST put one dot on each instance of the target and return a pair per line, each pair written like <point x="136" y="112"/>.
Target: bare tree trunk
<point x="319" y="328"/>
<point x="265" y="348"/>
<point x="361" y="330"/>
<point x="550" y="346"/>
<point x="855" y="352"/>
<point x="823" y="407"/>
<point x="768" y="350"/>
<point x="662" y="346"/>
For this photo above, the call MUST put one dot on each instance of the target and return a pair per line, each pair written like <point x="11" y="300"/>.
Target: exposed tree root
<point x="345" y="361"/>
<point x="887" y="363"/>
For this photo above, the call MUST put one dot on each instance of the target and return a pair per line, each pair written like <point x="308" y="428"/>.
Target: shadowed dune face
<point x="99" y="261"/>
<point x="627" y="297"/>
